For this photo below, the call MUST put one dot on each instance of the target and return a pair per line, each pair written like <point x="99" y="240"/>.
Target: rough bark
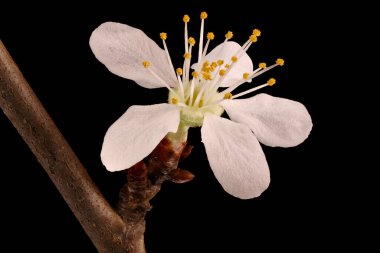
<point x="116" y="231"/>
<point x="20" y="104"/>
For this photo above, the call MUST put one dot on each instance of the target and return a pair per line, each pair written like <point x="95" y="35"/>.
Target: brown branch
<point x="110" y="231"/>
<point x="102" y="224"/>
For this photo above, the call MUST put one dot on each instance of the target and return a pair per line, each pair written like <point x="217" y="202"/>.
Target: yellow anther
<point x="271" y="82"/>
<point x="234" y="59"/>
<point x="246" y="76"/>
<point x="207" y="76"/>
<point x="174" y="101"/>
<point x="253" y="38"/>
<point x="228" y="95"/>
<point x="206" y="69"/>
<point x="222" y="72"/>
<point x="187" y="55"/>
<point x="229" y="35"/>
<point x="214" y="64"/>
<point x="206" y="64"/>
<point x="227" y="66"/>
<point x="256" y="32"/>
<point x="210" y="36"/>
<point x="195" y="74"/>
<point x="179" y="71"/>
<point x="262" y="65"/>
<point x="212" y="69"/>
<point x="200" y="103"/>
<point x="146" y="64"/>
<point x="280" y="62"/>
<point x="186" y="18"/>
<point x="203" y="15"/>
<point x="220" y="62"/>
<point x="192" y="41"/>
<point x="163" y="36"/>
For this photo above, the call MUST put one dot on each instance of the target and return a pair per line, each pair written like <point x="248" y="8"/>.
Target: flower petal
<point x="275" y="121"/>
<point x="122" y="49"/>
<point x="225" y="53"/>
<point x="136" y="133"/>
<point x="235" y="157"/>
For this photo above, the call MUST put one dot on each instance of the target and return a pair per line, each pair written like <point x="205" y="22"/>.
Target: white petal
<point x="235" y="156"/>
<point x="122" y="49"/>
<point x="275" y="121"/>
<point x="136" y="133"/>
<point x="225" y="53"/>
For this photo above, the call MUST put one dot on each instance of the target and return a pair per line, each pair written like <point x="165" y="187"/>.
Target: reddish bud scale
<point x="180" y="176"/>
<point x="165" y="157"/>
<point x="146" y="177"/>
<point x="186" y="152"/>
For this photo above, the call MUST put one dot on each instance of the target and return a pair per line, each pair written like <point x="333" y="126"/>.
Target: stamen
<point x="192" y="90"/>
<point x="174" y="101"/>
<point x="209" y="76"/>
<point x="253" y="38"/>
<point x="146" y="65"/>
<point x="256" y="32"/>
<point x="181" y="85"/>
<point x="280" y="62"/>
<point x="191" y="41"/>
<point x="262" y="65"/>
<point x="186" y="19"/>
<point x="270" y="82"/>
<point x="240" y="82"/>
<point x="203" y="17"/>
<point x="210" y="36"/>
<point x="206" y="76"/>
<point x="229" y="35"/>
<point x="187" y="56"/>
<point x="199" y="96"/>
<point x="187" y="62"/>
<point x="245" y="45"/>
<point x="227" y="96"/>
<point x="234" y="59"/>
<point x="164" y="36"/>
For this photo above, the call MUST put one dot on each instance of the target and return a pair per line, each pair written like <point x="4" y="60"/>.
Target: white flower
<point x="196" y="99"/>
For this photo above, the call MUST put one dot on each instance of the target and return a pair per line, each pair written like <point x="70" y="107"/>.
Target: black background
<point x="50" y="45"/>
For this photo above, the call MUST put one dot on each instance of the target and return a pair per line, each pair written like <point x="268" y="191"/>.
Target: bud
<point x="180" y="176"/>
